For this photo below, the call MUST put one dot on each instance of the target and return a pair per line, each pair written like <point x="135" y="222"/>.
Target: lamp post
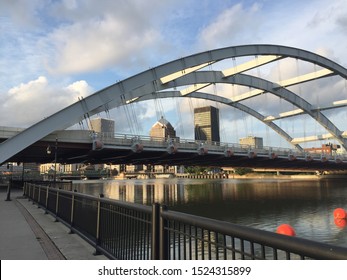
<point x="10" y="167"/>
<point x="55" y="159"/>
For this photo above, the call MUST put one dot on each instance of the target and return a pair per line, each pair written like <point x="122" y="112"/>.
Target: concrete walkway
<point x="27" y="233"/>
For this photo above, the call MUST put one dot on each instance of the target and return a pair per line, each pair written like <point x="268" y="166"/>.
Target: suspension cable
<point x="191" y="107"/>
<point x="128" y="117"/>
<point x="180" y="123"/>
<point x="134" y="118"/>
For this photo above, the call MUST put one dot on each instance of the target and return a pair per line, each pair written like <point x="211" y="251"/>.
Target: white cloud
<point x="238" y="23"/>
<point x="22" y="12"/>
<point x="28" y="103"/>
<point x="97" y="45"/>
<point x="79" y="88"/>
<point x="103" y="34"/>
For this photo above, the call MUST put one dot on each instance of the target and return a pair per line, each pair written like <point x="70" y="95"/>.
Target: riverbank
<point x="249" y="176"/>
<point x="263" y="176"/>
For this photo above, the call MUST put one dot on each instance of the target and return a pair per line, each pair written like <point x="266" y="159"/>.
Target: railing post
<point x="29" y="191"/>
<point x="39" y="197"/>
<point x="46" y="206"/>
<point x="163" y="235"/>
<point x="33" y="195"/>
<point x="72" y="212"/>
<point x="155" y="231"/>
<point x="97" y="235"/>
<point x="25" y="189"/>
<point x="56" y="206"/>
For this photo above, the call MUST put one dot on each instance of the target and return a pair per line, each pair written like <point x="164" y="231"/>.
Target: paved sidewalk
<point x="27" y="233"/>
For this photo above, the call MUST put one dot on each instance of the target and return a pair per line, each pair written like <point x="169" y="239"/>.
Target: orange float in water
<point x="340" y="222"/>
<point x="286" y="230"/>
<point x="340" y="213"/>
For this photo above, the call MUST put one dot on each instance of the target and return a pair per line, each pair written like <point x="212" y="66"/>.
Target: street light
<point x="10" y="167"/>
<point x="48" y="150"/>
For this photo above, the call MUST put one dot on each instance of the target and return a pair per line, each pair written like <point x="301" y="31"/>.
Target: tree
<point x="243" y="170"/>
<point x="194" y="169"/>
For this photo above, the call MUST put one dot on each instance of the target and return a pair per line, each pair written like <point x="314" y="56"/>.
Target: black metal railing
<point x="122" y="230"/>
<point x="192" y="237"/>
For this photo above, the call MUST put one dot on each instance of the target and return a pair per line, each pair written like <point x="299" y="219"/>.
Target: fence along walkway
<point x="122" y="230"/>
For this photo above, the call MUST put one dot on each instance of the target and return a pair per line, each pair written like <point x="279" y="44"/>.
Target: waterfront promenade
<point x="27" y="233"/>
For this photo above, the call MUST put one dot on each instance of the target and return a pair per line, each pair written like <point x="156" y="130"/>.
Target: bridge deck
<point x="76" y="146"/>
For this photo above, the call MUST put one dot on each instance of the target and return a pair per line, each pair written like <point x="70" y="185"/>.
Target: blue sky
<point x="54" y="51"/>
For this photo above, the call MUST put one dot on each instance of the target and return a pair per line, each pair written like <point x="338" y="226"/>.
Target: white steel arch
<point x="209" y="77"/>
<point x="264" y="86"/>
<point x="123" y="91"/>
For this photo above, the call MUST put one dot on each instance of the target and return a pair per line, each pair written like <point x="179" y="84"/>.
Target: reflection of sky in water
<point x="307" y="205"/>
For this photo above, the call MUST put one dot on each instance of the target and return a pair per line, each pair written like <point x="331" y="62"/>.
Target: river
<point x="306" y="205"/>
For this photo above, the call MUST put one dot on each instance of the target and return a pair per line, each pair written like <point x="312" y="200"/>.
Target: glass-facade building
<point x="206" y="123"/>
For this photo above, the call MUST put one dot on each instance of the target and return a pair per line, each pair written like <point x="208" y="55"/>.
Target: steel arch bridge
<point x="193" y="74"/>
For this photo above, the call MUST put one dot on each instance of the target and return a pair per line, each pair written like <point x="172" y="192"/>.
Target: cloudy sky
<point x="55" y="51"/>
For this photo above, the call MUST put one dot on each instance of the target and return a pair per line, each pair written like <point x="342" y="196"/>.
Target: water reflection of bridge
<point x="138" y="192"/>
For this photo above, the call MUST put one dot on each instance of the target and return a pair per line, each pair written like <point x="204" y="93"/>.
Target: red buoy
<point x="341" y="223"/>
<point x="340" y="213"/>
<point x="286" y="230"/>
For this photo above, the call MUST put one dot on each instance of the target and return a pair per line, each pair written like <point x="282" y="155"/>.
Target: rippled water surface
<point x="264" y="204"/>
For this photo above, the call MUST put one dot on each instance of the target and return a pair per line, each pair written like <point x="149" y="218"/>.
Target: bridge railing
<point x="127" y="140"/>
<point x="122" y="230"/>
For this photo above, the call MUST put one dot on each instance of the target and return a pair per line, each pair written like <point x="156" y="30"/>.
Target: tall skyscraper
<point x="206" y="123"/>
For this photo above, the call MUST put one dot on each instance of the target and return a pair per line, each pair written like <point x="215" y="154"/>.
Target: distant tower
<point x="206" y="123"/>
<point x="255" y="142"/>
<point x="101" y="125"/>
<point x="162" y="128"/>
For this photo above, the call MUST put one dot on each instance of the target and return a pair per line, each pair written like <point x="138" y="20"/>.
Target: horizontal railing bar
<point x="133" y="206"/>
<point x="294" y="245"/>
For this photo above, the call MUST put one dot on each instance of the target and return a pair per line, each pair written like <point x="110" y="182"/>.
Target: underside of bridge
<point x="191" y="77"/>
<point x="82" y="153"/>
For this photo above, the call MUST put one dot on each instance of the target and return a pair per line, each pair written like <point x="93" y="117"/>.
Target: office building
<point x="206" y="123"/>
<point x="101" y="125"/>
<point x="327" y="149"/>
<point x="254" y="142"/>
<point x="162" y="129"/>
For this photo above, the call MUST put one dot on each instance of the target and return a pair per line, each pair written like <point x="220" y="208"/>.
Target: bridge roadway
<point x="82" y="146"/>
